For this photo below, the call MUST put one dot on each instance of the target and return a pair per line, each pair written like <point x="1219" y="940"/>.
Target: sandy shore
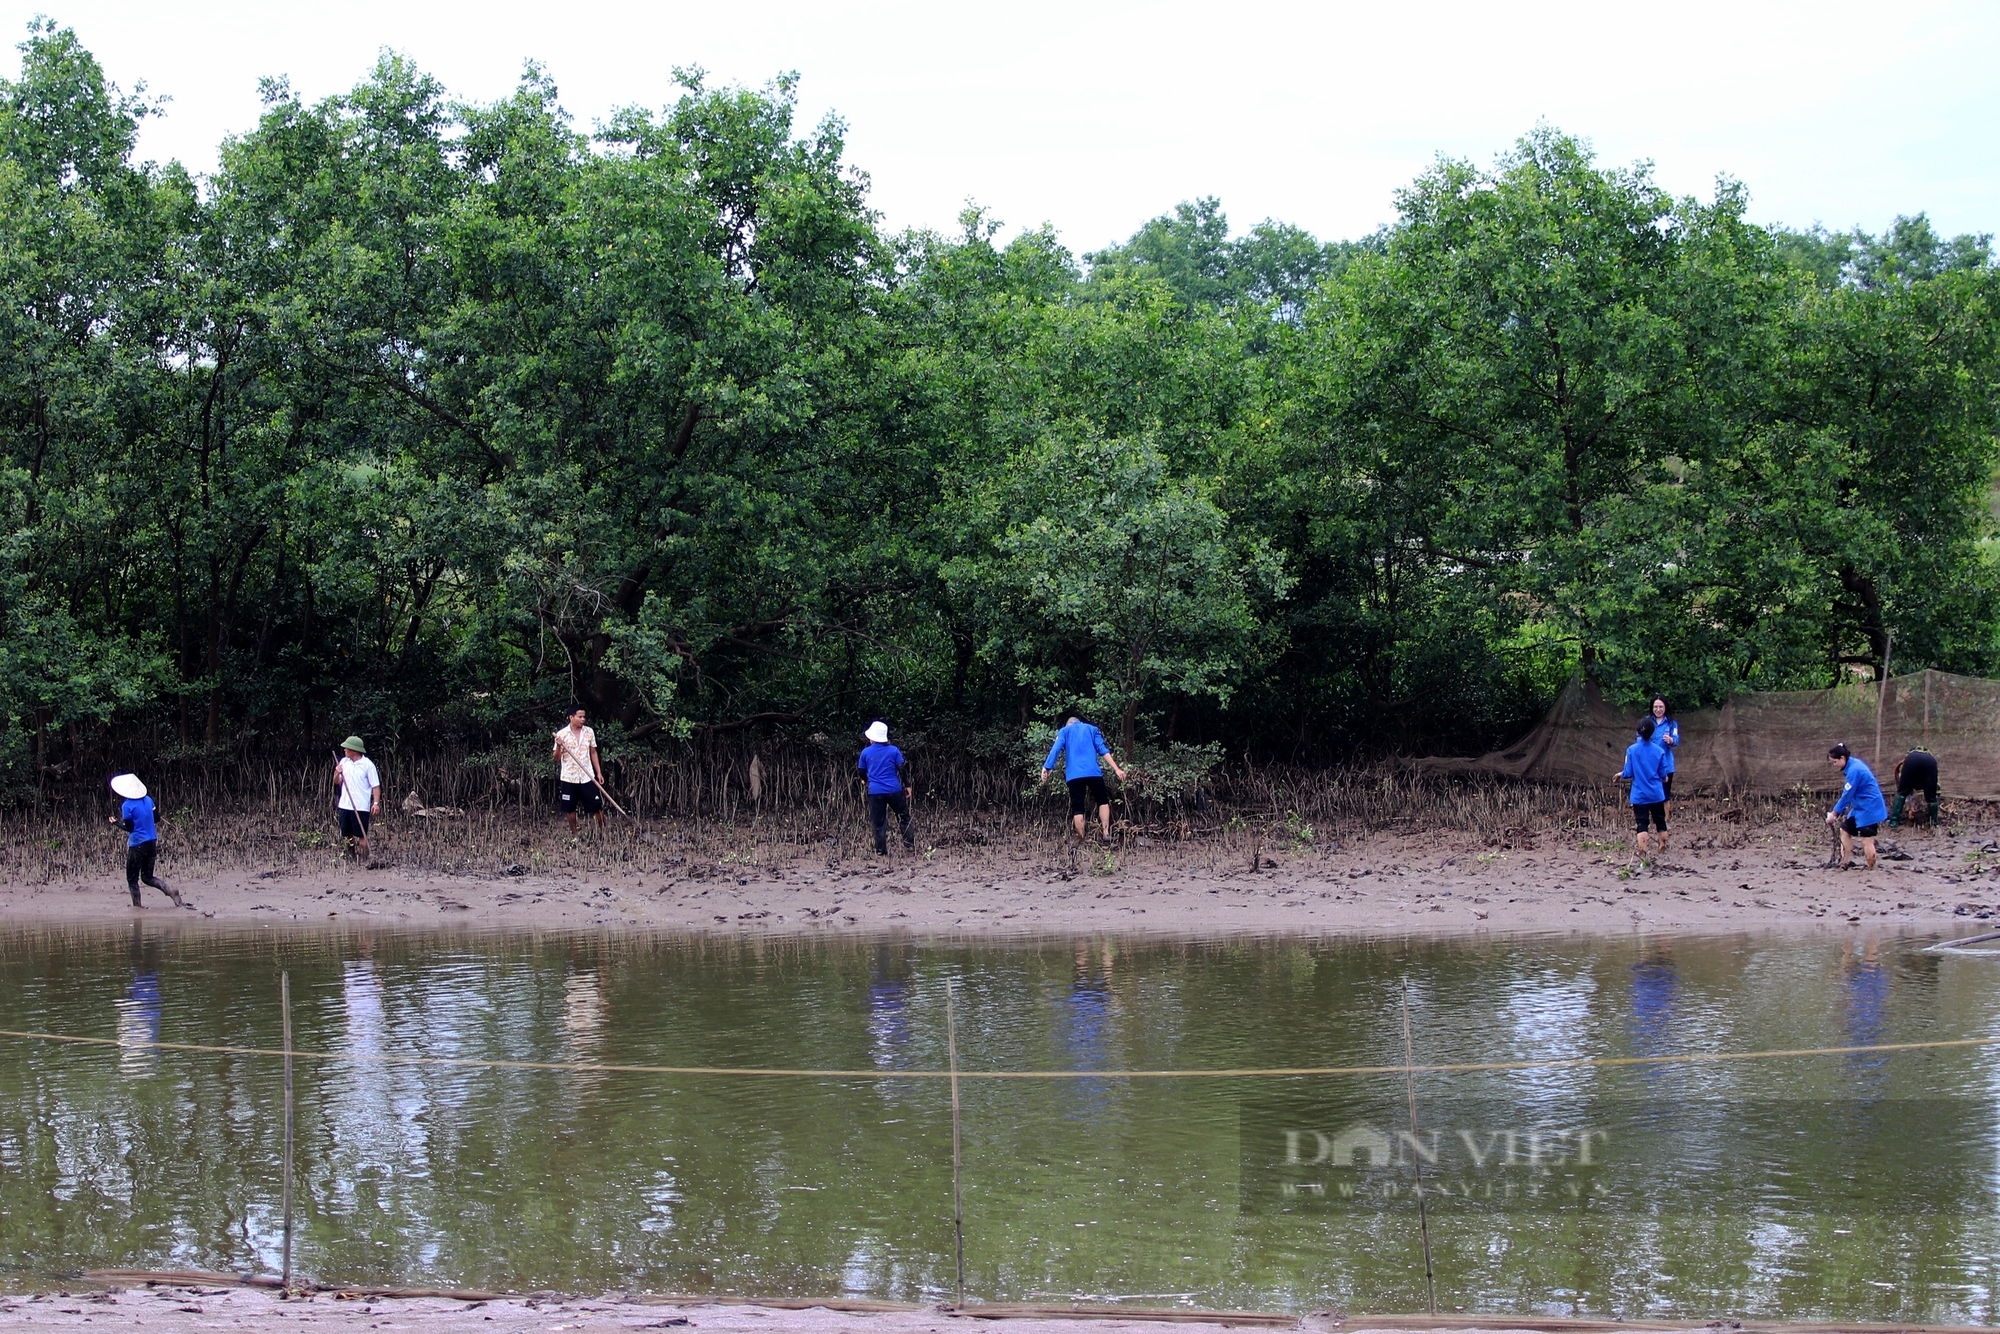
<point x="1773" y="877"/>
<point x="183" y="1310"/>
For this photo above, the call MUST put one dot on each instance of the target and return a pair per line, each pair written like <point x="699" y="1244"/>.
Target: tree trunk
<point x="1869" y="603"/>
<point x="222" y="621"/>
<point x="961" y="668"/>
<point x="212" y="661"/>
<point x="306" y="638"/>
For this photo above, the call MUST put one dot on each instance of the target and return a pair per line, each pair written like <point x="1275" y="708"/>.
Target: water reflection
<point x="137" y="1012"/>
<point x="1846" y="1186"/>
<point x="583" y="1025"/>
<point x="138" y="1025"/>
<point x="1655" y="992"/>
<point x="1084" y="1023"/>
<point x="889" y="1006"/>
<point x="1551" y="1014"/>
<point x="1656" y="986"/>
<point x="1867" y="987"/>
<point x="374" y="1146"/>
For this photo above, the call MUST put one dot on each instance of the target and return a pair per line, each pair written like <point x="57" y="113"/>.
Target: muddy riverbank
<point x="185" y="1310"/>
<point x="1715" y="877"/>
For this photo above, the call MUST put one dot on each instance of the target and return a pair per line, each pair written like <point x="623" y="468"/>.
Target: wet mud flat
<point x="1716" y="876"/>
<point x="184" y="1310"/>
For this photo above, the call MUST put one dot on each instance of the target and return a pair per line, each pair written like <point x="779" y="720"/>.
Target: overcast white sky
<point x="1096" y="116"/>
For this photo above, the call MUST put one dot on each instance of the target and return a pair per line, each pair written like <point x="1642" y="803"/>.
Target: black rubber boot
<point x="137" y="902"/>
<point x="1934" y="814"/>
<point x="1896" y="812"/>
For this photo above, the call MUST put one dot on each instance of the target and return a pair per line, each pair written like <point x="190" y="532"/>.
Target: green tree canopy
<point x="422" y="418"/>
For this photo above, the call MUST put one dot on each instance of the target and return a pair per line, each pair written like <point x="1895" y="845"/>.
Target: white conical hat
<point x="878" y="732"/>
<point x="128" y="786"/>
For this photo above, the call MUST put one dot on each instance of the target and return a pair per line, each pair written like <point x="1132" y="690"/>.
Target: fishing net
<point x="1773" y="741"/>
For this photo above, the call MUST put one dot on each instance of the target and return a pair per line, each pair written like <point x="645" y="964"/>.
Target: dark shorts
<point x="1667" y="781"/>
<point x="583" y="797"/>
<point x="1087" y="794"/>
<point x="1655" y="811"/>
<point x="1860" y="831"/>
<point x="1919" y="775"/>
<point x="354" y="824"/>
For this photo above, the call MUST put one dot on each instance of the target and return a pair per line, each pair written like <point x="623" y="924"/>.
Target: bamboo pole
<point x="1882" y="694"/>
<point x="1927" y="708"/>
<point x="285" y="1001"/>
<point x="1981" y="938"/>
<point x="1416" y="1158"/>
<point x="957" y="1195"/>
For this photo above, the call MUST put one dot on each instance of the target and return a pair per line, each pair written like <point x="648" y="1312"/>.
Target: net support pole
<point x="1417" y="1158"/>
<point x="285" y="1004"/>
<point x="1882" y="693"/>
<point x="957" y="1194"/>
<point x="1927" y="708"/>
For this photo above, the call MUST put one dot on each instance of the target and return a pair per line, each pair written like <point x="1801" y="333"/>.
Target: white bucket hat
<point x="878" y="732"/>
<point x="128" y="786"/>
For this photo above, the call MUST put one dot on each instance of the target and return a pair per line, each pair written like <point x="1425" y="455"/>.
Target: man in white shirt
<point x="360" y="792"/>
<point x="576" y="752"/>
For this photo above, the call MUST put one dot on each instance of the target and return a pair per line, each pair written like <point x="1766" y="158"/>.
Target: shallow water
<point x="1857" y="1186"/>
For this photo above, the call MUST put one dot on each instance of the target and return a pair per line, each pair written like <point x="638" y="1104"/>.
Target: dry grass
<point x="698" y="819"/>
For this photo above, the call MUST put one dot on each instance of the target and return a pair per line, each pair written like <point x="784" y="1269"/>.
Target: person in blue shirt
<point x="1645" y="766"/>
<point x="1080" y="746"/>
<point x="1667" y="736"/>
<point x="138" y="817"/>
<point x="888" y="786"/>
<point x="1860" y="802"/>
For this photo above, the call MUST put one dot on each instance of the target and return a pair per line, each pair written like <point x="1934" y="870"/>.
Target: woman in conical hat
<point x="139" y="816"/>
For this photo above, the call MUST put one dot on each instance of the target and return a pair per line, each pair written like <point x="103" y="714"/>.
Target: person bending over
<point x="888" y="786"/>
<point x="1645" y="768"/>
<point x="1860" y="803"/>
<point x="1081" y="746"/>
<point x="1916" y="772"/>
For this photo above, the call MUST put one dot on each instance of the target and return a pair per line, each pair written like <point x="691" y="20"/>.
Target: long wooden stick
<point x="285" y="1002"/>
<point x="1882" y="693"/>
<point x="1964" y="940"/>
<point x="957" y="1195"/>
<point x="1416" y="1158"/>
<point x="608" y="797"/>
